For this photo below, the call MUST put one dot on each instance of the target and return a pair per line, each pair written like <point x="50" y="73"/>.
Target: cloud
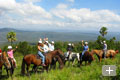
<point x="33" y="16"/>
<point x="32" y="1"/>
<point x="70" y="0"/>
<point x="23" y="9"/>
<point x="62" y="6"/>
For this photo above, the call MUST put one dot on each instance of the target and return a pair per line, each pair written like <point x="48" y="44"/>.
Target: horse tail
<point x="23" y="66"/>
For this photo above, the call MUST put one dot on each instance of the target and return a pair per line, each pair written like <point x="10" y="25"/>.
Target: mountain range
<point x="33" y="36"/>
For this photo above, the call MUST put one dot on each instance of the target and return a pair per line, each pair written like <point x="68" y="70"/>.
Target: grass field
<point x="89" y="72"/>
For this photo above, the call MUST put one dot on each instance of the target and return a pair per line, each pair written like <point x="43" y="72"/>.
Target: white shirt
<point x="45" y="48"/>
<point x="51" y="47"/>
<point x="105" y="47"/>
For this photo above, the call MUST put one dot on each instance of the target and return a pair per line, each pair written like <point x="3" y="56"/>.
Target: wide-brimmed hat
<point x="9" y="47"/>
<point x="52" y="42"/>
<point x="40" y="41"/>
<point x="86" y="42"/>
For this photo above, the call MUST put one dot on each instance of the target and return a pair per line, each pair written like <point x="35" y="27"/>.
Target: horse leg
<point x="80" y="63"/>
<point x="47" y="67"/>
<point x="68" y="63"/>
<point x="53" y="64"/>
<point x="27" y="68"/>
<point x="34" y="69"/>
<point x="7" y="72"/>
<point x="73" y="62"/>
<point x="12" y="69"/>
<point x="100" y="59"/>
<point x="85" y="63"/>
<point x="0" y="71"/>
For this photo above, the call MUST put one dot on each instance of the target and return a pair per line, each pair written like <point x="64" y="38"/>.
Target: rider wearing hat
<point x="104" y="49"/>
<point x="51" y="46"/>
<point x="46" y="47"/>
<point x="85" y="48"/>
<point x="69" y="49"/>
<point x="40" y="51"/>
<point x="0" y="52"/>
<point x="10" y="53"/>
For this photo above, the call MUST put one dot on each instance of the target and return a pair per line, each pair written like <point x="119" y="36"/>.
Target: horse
<point x="5" y="62"/>
<point x="87" y="57"/>
<point x="99" y="54"/>
<point x="109" y="53"/>
<point x="71" y="58"/>
<point x="32" y="59"/>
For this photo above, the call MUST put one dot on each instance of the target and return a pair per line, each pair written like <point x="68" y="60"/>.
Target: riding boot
<point x="43" y="65"/>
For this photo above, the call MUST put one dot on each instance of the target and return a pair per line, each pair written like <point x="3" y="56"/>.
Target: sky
<point x="80" y="15"/>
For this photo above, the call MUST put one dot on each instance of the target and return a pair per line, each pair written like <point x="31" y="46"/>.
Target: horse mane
<point x="4" y="54"/>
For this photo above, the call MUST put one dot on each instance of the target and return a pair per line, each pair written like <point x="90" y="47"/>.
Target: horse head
<point x="92" y="56"/>
<point x="92" y="52"/>
<point x="61" y="55"/>
<point x="117" y="51"/>
<point x="5" y="60"/>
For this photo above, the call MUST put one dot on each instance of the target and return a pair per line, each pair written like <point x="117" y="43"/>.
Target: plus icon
<point x="109" y="70"/>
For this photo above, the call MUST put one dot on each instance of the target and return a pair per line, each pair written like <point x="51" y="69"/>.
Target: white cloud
<point x="62" y="6"/>
<point x="13" y="13"/>
<point x="32" y="1"/>
<point x="70" y="0"/>
<point x="22" y="9"/>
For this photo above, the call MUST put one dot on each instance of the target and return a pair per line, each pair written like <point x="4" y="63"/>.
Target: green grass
<point x="89" y="72"/>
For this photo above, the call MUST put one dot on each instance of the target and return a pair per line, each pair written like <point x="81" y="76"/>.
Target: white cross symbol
<point x="109" y="70"/>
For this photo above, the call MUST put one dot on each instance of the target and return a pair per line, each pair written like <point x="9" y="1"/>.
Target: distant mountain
<point x="11" y="29"/>
<point x="33" y="36"/>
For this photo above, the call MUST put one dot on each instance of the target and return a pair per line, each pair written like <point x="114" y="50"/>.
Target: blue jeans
<point x="42" y="56"/>
<point x="82" y="54"/>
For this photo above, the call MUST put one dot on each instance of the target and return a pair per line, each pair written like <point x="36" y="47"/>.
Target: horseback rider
<point x="46" y="47"/>
<point x="51" y="46"/>
<point x="85" y="48"/>
<point x="104" y="49"/>
<point x="69" y="49"/>
<point x="10" y="53"/>
<point x="0" y="52"/>
<point x="40" y="51"/>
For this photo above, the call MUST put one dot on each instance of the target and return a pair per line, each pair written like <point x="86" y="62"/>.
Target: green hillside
<point x="89" y="72"/>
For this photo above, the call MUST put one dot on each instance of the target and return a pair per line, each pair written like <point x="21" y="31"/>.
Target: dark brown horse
<point x="32" y="59"/>
<point x="87" y="57"/>
<point x="4" y="62"/>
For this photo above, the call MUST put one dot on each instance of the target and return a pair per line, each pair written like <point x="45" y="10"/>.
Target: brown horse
<point x="87" y="57"/>
<point x="4" y="61"/>
<point x="99" y="53"/>
<point x="32" y="59"/>
<point x="111" y="53"/>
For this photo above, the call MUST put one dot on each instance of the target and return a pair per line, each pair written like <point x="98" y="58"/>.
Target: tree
<point x="11" y="37"/>
<point x="103" y="31"/>
<point x="24" y="48"/>
<point x="99" y="40"/>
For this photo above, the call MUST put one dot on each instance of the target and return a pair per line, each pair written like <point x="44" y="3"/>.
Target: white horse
<point x="71" y="57"/>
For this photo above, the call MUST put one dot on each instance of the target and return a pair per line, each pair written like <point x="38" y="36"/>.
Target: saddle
<point x="39" y="57"/>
